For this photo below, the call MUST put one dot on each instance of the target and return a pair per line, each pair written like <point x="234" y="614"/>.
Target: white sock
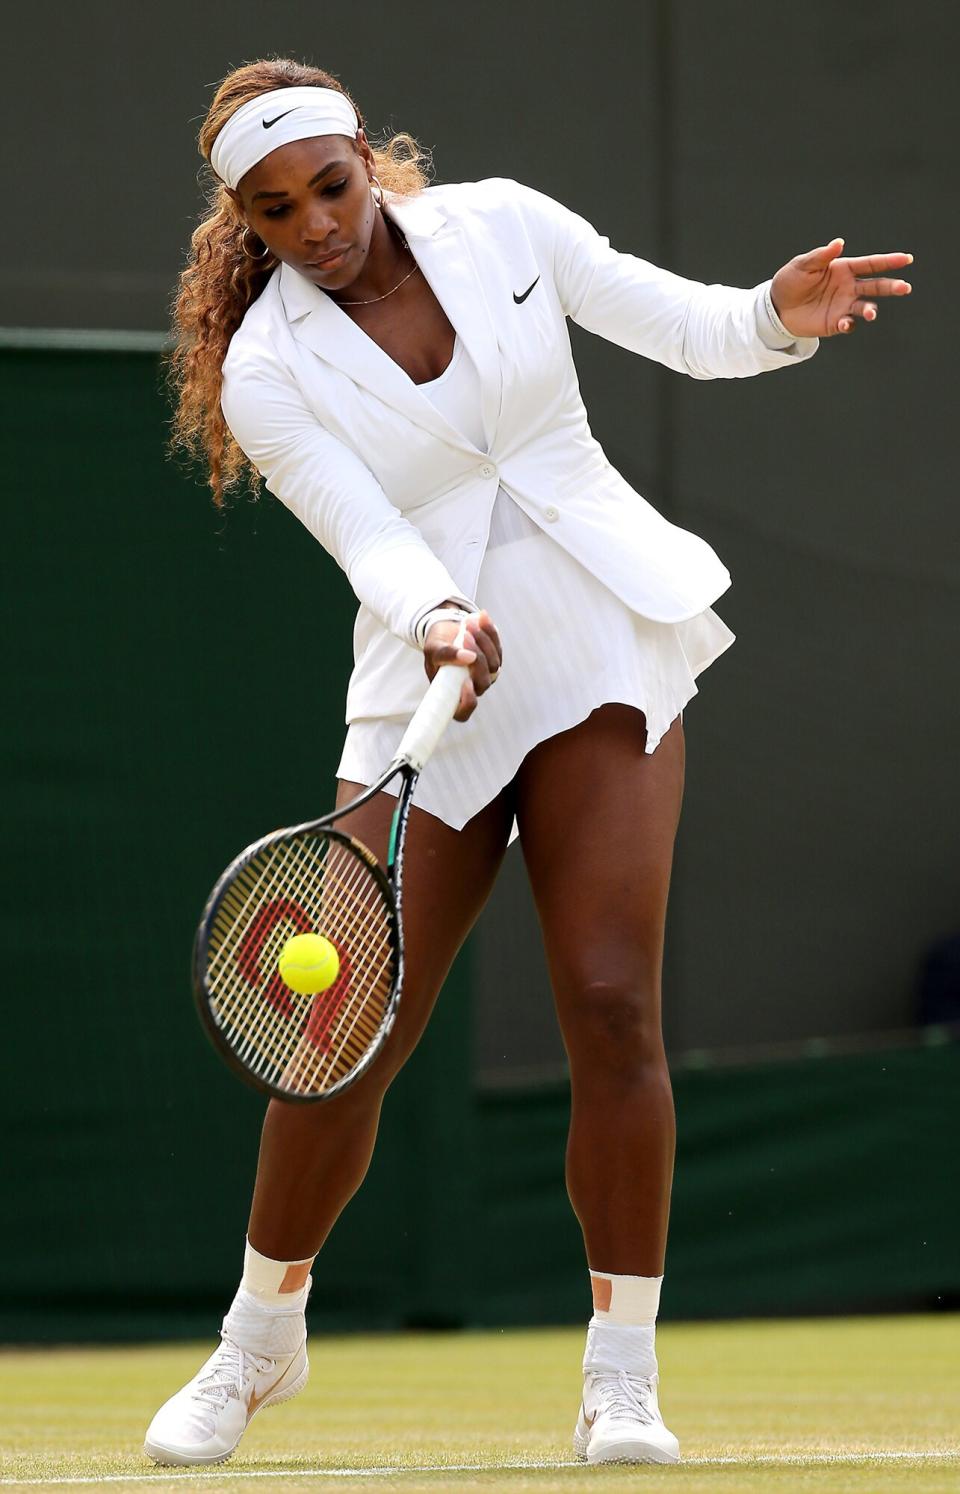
<point x="622" y="1331"/>
<point x="263" y="1317"/>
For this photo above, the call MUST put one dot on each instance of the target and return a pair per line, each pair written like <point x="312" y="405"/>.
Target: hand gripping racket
<point x="313" y="878"/>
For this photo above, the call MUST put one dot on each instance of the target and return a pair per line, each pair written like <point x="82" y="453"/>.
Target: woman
<point x="393" y="359"/>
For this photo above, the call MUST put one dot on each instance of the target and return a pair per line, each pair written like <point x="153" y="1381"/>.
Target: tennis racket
<point x="314" y="878"/>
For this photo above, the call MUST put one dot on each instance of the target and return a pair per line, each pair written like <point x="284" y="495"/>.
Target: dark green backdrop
<point x="163" y="668"/>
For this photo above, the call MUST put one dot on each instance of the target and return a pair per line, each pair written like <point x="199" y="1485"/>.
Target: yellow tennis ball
<point x="308" y="964"/>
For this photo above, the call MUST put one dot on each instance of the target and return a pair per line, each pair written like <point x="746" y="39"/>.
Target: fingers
<point x="483" y="673"/>
<point x="817" y="258"/>
<point x="486" y="641"/>
<point x="860" y="310"/>
<point x="448" y="653"/>
<point x="468" y="702"/>
<point x="865" y="309"/>
<point x="883" y="287"/>
<point x="869" y="286"/>
<point x="861" y="264"/>
<point x="871" y="281"/>
<point x="878" y="264"/>
<point x="865" y="312"/>
<point x="481" y="653"/>
<point x="444" y="654"/>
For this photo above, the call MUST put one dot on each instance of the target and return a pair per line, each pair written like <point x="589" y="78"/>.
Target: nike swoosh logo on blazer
<point x="520" y="299"/>
<point x="268" y="122"/>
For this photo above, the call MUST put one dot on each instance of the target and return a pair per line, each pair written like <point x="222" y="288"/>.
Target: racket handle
<point x="435" y="711"/>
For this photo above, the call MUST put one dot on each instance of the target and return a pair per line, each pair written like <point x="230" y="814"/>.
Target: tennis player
<point x="393" y="359"/>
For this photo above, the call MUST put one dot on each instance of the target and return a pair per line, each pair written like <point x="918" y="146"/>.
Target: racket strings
<point x="304" y="883"/>
<point x="338" y="909"/>
<point x="339" y="1031"/>
<point x="281" y="1051"/>
<point x="291" y="875"/>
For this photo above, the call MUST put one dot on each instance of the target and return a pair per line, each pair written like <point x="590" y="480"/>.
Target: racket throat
<point x="398" y="827"/>
<point x="392" y="846"/>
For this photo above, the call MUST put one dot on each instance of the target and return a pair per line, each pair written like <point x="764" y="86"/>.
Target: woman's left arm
<point x="822" y="293"/>
<point x="705" y="331"/>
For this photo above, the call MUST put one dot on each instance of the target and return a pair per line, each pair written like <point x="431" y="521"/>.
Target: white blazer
<point x="402" y="500"/>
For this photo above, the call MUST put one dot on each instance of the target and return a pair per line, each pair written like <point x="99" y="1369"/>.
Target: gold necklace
<point x="371" y="299"/>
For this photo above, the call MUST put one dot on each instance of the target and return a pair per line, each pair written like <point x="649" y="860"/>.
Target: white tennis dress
<point x="569" y="646"/>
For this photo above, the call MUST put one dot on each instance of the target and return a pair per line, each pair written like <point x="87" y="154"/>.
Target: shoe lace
<point x="625" y="1397"/>
<point x="227" y="1374"/>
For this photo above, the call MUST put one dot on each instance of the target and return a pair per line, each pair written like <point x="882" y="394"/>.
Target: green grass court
<point x="835" y="1404"/>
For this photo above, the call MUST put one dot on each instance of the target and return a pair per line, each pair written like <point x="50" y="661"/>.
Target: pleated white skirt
<point x="569" y="646"/>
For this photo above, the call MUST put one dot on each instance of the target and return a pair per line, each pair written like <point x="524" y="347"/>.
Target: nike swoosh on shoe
<point x="256" y="1401"/>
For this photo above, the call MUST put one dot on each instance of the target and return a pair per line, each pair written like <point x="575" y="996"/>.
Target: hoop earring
<point x="375" y="182"/>
<point x="243" y="246"/>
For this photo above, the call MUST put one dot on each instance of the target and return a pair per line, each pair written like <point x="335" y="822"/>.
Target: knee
<point x="614" y="1032"/>
<point x="399" y="1047"/>
<point x="386" y="1066"/>
<point x="396" y="1052"/>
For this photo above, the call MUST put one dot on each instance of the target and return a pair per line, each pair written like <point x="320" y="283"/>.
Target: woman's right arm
<point x="391" y="568"/>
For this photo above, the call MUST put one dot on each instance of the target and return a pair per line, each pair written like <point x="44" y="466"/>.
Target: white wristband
<point x="439" y="614"/>
<point x="773" y="334"/>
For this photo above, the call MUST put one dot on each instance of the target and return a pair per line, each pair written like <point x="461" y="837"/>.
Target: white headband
<point x="276" y="118"/>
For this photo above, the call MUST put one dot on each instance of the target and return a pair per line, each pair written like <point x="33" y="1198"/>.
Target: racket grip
<point x="435" y="711"/>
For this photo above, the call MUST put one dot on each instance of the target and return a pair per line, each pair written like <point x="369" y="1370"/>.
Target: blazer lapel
<point x="441" y="250"/>
<point x="446" y="261"/>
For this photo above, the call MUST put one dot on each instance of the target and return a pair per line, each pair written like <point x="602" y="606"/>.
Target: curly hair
<point x="220" y="281"/>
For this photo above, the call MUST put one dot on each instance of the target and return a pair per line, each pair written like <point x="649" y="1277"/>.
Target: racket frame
<point x="390" y="884"/>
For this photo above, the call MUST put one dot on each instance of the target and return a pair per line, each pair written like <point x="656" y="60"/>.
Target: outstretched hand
<point x="819" y="294"/>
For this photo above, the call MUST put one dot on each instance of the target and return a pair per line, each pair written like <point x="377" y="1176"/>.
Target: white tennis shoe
<point x="620" y="1421"/>
<point x="204" y="1421"/>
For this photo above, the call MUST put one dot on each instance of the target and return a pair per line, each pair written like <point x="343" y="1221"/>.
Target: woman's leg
<point x="597" y="819"/>
<point x="313" y="1158"/>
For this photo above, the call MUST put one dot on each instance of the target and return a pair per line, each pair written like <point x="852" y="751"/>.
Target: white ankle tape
<point x="627" y="1300"/>
<point x="263" y="1330"/>
<point x="273" y="1281"/>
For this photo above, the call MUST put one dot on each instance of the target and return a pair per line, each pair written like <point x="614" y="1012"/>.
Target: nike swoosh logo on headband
<point x="268" y="122"/>
<point x="520" y="299"/>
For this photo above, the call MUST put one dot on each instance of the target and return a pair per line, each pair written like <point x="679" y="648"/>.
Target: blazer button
<point x="488" y="470"/>
<point x="551" y="513"/>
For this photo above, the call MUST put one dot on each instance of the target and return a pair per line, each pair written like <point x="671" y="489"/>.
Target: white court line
<point x="782" y="1460"/>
